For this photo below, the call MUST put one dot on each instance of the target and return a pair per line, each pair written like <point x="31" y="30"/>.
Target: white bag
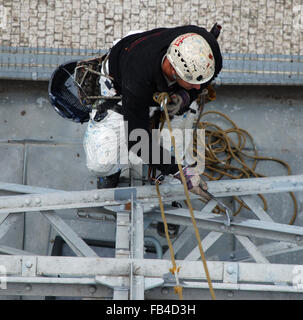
<point x="105" y="145"/>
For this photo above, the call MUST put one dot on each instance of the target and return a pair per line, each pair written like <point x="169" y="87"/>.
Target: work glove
<point x="194" y="181"/>
<point x="211" y="94"/>
<point x="179" y="102"/>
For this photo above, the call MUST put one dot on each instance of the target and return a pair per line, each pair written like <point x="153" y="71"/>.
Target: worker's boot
<point x="108" y="181"/>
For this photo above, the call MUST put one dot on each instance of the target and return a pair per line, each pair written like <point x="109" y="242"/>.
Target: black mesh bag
<point x="63" y="92"/>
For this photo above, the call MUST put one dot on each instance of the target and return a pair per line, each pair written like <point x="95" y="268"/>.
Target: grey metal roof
<point x="262" y="69"/>
<point x="243" y="69"/>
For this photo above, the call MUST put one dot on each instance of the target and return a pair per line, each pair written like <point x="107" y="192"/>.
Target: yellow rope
<point x="162" y="98"/>
<point x="221" y="150"/>
<point x="175" y="270"/>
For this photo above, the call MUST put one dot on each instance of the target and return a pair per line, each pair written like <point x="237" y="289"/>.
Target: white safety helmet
<point x="192" y="58"/>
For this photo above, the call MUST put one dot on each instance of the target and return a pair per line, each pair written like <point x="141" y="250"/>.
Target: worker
<point x="181" y="61"/>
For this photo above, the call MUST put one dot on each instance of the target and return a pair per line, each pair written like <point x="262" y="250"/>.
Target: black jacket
<point x="135" y="65"/>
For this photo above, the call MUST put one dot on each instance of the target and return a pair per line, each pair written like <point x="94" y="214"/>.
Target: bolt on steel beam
<point x="146" y="194"/>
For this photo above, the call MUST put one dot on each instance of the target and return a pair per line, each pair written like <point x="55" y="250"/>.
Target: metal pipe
<point x="156" y="244"/>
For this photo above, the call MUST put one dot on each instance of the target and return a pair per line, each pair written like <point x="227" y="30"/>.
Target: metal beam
<point x="21" y="188"/>
<point x="91" y="290"/>
<point x="207" y="242"/>
<point x="256" y="208"/>
<point x="3" y="216"/>
<point x="137" y="250"/>
<point x="189" y="232"/>
<point x="252" y="249"/>
<point x="7" y="223"/>
<point x="122" y="235"/>
<point x="56" y="269"/>
<point x="167" y="293"/>
<point x="210" y="239"/>
<point x="14" y="251"/>
<point x="239" y="226"/>
<point x="121" y="291"/>
<point x="70" y="237"/>
<point x="269" y="249"/>
<point x="75" y="276"/>
<point x="146" y="194"/>
<point x="191" y="290"/>
<point x="261" y="275"/>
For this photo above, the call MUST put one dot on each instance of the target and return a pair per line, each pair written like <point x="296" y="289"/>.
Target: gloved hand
<point x="211" y="95"/>
<point x="195" y="183"/>
<point x="180" y="100"/>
